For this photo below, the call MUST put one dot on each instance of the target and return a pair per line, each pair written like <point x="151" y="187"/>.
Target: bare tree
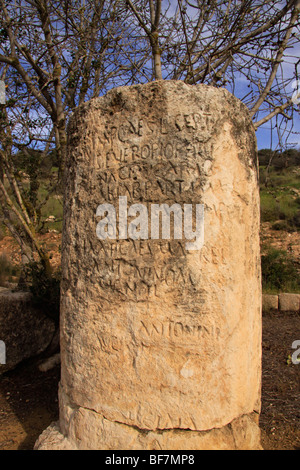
<point x="55" y="55"/>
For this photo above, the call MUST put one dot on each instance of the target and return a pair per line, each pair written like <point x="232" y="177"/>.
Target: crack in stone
<point x="145" y="431"/>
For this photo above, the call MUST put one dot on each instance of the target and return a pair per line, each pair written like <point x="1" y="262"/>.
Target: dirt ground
<point x="28" y="404"/>
<point x="28" y="397"/>
<point x="51" y="241"/>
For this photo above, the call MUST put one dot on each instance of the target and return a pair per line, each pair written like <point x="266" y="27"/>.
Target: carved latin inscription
<point x="156" y="336"/>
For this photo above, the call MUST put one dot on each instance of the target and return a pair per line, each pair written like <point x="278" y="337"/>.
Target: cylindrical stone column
<point x="160" y="317"/>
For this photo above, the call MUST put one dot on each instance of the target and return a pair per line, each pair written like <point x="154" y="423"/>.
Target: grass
<point x="280" y="201"/>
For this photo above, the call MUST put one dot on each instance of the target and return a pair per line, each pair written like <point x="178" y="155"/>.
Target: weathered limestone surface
<point x="161" y="346"/>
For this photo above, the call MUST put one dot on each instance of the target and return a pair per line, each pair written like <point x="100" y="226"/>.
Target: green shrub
<point x="269" y="208"/>
<point x="45" y="289"/>
<point x="279" y="272"/>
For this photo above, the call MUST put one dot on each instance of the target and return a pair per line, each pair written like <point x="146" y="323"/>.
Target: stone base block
<point x="269" y="302"/>
<point x="98" y="433"/>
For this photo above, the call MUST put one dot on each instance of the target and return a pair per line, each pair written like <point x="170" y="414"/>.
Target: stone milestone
<point x="160" y="337"/>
